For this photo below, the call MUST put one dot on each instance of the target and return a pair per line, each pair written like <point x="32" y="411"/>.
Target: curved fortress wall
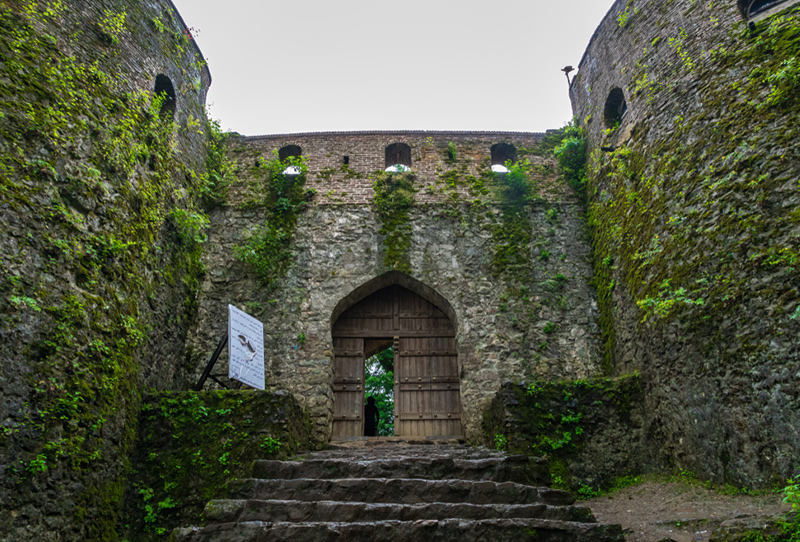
<point x="532" y="320"/>
<point x="692" y="125"/>
<point x="95" y="276"/>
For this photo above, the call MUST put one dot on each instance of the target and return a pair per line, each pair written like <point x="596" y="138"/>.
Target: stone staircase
<point x="398" y="492"/>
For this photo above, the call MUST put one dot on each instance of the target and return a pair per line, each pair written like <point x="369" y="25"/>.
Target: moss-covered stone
<point x="590" y="430"/>
<point x="102" y="233"/>
<point x="692" y="204"/>
<point x="193" y="444"/>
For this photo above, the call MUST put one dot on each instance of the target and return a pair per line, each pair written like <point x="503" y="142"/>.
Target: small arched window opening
<point x="290" y="151"/>
<point x="749" y="8"/>
<point x="398" y="157"/>
<point x="615" y="107"/>
<point x="501" y="154"/>
<point x="166" y="92"/>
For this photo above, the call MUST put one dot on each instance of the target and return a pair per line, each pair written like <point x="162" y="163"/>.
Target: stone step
<point x="397" y="490"/>
<point x="517" y="469"/>
<point x="394" y="450"/>
<point x="456" y="530"/>
<point x="226" y="511"/>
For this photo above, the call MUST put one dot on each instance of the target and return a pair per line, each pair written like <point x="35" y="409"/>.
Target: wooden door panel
<point x="427" y="395"/>
<point x="348" y="387"/>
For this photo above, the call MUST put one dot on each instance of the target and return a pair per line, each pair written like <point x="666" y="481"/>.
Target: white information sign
<point x="245" y="348"/>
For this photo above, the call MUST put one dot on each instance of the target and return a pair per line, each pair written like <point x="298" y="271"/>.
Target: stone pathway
<point x="398" y="491"/>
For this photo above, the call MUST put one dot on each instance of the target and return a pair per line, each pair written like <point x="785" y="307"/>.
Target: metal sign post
<point x="245" y="338"/>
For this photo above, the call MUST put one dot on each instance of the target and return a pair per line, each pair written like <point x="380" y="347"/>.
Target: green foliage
<point x="193" y="446"/>
<point x="271" y="445"/>
<point x="791" y="494"/>
<point x="112" y="25"/>
<point x="666" y="301"/>
<point x="512" y="236"/>
<point x="24" y="302"/>
<point x="625" y="481"/>
<point x="677" y="44"/>
<point x="379" y="384"/>
<point x="37" y="464"/>
<point x="517" y="186"/>
<point x="784" y="83"/>
<point x="191" y="226"/>
<point x="451" y="156"/>
<point x="158" y="24"/>
<point x="500" y="442"/>
<point x="218" y="176"/>
<point x="556" y="419"/>
<point x="587" y="492"/>
<point x="394" y="197"/>
<point x="555" y="284"/>
<point x="623" y="17"/>
<point x="571" y="154"/>
<point x="268" y="249"/>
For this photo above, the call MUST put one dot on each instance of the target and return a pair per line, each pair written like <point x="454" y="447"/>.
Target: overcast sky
<point x="312" y="65"/>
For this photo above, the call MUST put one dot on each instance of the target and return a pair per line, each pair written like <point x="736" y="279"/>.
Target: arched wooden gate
<point x="427" y="390"/>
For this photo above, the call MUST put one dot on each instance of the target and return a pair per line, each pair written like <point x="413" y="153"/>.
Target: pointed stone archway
<point x="396" y="310"/>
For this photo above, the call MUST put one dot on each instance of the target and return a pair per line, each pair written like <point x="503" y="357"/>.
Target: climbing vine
<point x="571" y="155"/>
<point x="281" y="184"/>
<point x="394" y="197"/>
<point x="513" y="234"/>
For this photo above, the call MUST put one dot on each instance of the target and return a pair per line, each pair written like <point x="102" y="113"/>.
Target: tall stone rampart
<point x="691" y="117"/>
<point x="100" y="183"/>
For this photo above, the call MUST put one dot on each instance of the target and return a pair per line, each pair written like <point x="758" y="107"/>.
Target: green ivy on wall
<point x="394" y="197"/>
<point x="512" y="236"/>
<point x="281" y="186"/>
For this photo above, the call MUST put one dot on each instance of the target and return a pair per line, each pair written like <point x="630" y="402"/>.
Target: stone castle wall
<point x="537" y="322"/>
<point x="694" y="211"/>
<point x="95" y="274"/>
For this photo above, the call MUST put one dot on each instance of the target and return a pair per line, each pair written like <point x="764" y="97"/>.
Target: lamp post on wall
<point x="567" y="70"/>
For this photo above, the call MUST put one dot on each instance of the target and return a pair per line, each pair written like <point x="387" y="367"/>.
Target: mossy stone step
<point x="398" y="493"/>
